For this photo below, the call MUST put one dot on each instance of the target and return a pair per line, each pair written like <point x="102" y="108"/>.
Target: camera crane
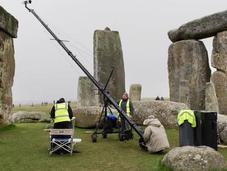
<point x="94" y="81"/>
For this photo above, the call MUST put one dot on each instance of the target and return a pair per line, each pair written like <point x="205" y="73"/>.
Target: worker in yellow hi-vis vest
<point x="187" y="122"/>
<point x="62" y="114"/>
<point x="126" y="105"/>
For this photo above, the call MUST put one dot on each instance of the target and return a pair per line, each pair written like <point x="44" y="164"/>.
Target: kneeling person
<point x="155" y="135"/>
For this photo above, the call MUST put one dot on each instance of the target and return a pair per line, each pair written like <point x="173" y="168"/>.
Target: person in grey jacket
<point x="155" y="135"/>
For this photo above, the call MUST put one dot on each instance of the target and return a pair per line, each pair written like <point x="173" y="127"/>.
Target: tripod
<point x="107" y="119"/>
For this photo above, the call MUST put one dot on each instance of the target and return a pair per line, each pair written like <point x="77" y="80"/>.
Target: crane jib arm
<point x="94" y="81"/>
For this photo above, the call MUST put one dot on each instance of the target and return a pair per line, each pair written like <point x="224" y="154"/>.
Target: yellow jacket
<point x="186" y="115"/>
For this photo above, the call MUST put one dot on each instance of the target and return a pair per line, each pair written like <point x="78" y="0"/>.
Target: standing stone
<point x="8" y="23"/>
<point x="220" y="83"/>
<point x="8" y="30"/>
<point x="107" y="56"/>
<point x="135" y="92"/>
<point x="211" y="101"/>
<point x="87" y="116"/>
<point x="188" y="60"/>
<point x="201" y="28"/>
<point x="85" y="92"/>
<point x="219" y="53"/>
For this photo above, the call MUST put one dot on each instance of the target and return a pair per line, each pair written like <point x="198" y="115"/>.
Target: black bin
<point x="186" y="134"/>
<point x="206" y="129"/>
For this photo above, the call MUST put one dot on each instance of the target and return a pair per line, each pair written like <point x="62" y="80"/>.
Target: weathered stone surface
<point x="211" y="101"/>
<point x="87" y="116"/>
<point x="184" y="92"/>
<point x="29" y="117"/>
<point x="220" y="83"/>
<point x="222" y="128"/>
<point x="8" y="23"/>
<point x="135" y="92"/>
<point x="107" y="56"/>
<point x="219" y="53"/>
<point x="7" y="69"/>
<point x="190" y="158"/>
<point x="223" y="135"/>
<point x="201" y="28"/>
<point x="85" y="92"/>
<point x="165" y="111"/>
<point x="188" y="60"/>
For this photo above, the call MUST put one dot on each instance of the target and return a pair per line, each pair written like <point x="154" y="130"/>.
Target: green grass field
<point x="25" y="147"/>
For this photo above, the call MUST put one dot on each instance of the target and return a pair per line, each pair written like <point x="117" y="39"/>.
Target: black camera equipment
<point x="108" y="122"/>
<point x="94" y="81"/>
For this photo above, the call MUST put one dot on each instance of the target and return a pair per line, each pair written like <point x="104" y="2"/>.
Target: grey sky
<point x="44" y="72"/>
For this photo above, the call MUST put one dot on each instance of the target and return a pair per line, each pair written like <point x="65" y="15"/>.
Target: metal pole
<point x="103" y="91"/>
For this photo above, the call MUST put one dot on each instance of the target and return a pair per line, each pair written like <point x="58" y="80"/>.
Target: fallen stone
<point x="165" y="111"/>
<point x="190" y="158"/>
<point x="222" y="128"/>
<point x="29" y="117"/>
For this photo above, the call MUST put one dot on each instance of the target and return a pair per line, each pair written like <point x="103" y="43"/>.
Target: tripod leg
<point x="99" y="121"/>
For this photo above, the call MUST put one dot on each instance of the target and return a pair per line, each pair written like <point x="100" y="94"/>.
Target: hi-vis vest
<point x="186" y="115"/>
<point x="128" y="112"/>
<point x="61" y="112"/>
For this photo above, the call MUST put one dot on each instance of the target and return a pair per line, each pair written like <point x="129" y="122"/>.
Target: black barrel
<point x="186" y="134"/>
<point x="206" y="129"/>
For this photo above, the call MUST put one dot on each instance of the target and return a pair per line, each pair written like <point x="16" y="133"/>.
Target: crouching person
<point x="155" y="135"/>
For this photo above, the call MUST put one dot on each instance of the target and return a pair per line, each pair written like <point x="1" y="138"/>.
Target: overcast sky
<point x="44" y="72"/>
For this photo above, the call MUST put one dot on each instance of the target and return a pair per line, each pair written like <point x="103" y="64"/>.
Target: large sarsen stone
<point x="85" y="92"/>
<point x="188" y="60"/>
<point x="8" y="30"/>
<point x="8" y="23"/>
<point x="219" y="53"/>
<point x="87" y="116"/>
<point x="165" y="111"/>
<point x="220" y="83"/>
<point x="201" y="28"/>
<point x="190" y="158"/>
<point x="107" y="56"/>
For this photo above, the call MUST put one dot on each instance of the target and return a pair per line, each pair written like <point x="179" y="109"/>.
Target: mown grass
<point x="25" y="147"/>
